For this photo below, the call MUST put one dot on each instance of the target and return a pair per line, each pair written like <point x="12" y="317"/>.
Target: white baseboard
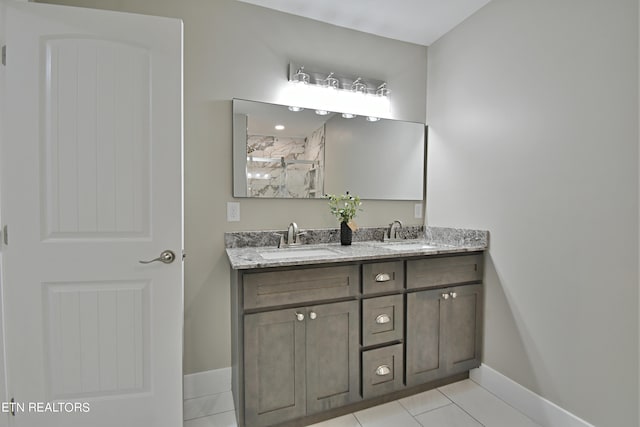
<point x="536" y="407"/>
<point x="207" y="383"/>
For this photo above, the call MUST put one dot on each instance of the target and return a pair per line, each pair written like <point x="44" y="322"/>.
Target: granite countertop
<point x="428" y="241"/>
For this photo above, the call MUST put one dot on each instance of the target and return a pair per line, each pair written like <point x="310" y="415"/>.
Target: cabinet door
<point x="424" y="359"/>
<point x="274" y="363"/>
<point x="333" y="362"/>
<point x="462" y="330"/>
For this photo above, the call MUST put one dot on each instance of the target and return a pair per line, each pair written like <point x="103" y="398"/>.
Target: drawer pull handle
<point x="382" y="319"/>
<point x="445" y="296"/>
<point x="299" y="317"/>
<point x="383" y="370"/>
<point x="383" y="277"/>
<point x="313" y="315"/>
<point x="453" y="295"/>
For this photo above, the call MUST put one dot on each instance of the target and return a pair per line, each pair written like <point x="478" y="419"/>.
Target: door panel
<point x="92" y="183"/>
<point x="97" y="112"/>
<point x="97" y="338"/>
<point x="463" y="329"/>
<point x="333" y="366"/>
<point x="274" y="366"/>
<point x="424" y="342"/>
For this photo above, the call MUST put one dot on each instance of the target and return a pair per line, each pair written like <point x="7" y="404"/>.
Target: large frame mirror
<point x="279" y="153"/>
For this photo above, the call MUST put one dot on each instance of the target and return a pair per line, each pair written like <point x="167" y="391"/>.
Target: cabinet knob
<point x="445" y="296"/>
<point x="453" y="295"/>
<point x="313" y="315"/>
<point x="383" y="370"/>
<point x="300" y="317"/>
<point x="381" y="319"/>
<point x="383" y="277"/>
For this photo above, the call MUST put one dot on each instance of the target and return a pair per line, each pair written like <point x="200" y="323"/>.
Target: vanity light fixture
<point x="348" y="115"/>
<point x="326" y="92"/>
<point x="313" y="76"/>
<point x="300" y="76"/>
<point x="279" y="127"/>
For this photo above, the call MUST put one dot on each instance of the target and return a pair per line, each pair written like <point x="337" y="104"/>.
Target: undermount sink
<point x="407" y="246"/>
<point x="295" y="253"/>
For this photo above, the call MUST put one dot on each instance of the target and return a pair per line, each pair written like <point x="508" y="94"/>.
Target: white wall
<point x="237" y="50"/>
<point x="533" y="115"/>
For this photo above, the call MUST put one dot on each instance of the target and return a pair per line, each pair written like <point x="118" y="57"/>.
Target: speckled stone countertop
<point x="248" y="250"/>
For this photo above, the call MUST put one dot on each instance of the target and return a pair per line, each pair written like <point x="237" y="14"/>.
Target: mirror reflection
<point x="280" y="153"/>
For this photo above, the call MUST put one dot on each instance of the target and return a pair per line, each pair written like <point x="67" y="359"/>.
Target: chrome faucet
<point x="292" y="234"/>
<point x="394" y="227"/>
<point x="291" y="238"/>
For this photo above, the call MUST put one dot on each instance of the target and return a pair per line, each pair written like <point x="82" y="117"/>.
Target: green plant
<point x="344" y="206"/>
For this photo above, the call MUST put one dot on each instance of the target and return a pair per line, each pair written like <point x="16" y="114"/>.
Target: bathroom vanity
<point x="323" y="330"/>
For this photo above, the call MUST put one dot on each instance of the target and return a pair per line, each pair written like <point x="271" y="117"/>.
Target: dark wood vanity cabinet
<point x="300" y="361"/>
<point x="313" y="342"/>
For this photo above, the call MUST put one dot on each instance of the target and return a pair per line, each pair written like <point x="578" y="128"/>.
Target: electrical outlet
<point x="417" y="210"/>
<point x="233" y="211"/>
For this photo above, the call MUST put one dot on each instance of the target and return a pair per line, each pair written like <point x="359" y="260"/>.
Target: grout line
<point x="466" y="412"/>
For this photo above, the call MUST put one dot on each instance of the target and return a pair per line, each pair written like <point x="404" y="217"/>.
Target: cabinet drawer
<point x="381" y="370"/>
<point x="429" y="272"/>
<point x="296" y="286"/>
<point x="382" y="319"/>
<point x="382" y="277"/>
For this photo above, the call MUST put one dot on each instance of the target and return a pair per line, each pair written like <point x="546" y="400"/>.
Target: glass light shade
<point x="300" y="76"/>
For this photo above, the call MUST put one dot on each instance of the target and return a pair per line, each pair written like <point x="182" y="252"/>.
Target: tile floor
<point x="461" y="404"/>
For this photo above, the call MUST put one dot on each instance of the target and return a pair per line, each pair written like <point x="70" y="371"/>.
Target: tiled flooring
<point x="462" y="404"/>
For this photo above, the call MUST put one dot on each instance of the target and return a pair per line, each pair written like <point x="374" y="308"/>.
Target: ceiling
<point x="415" y="21"/>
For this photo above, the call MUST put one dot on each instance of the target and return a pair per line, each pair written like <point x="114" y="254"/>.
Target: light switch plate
<point x="233" y="211"/>
<point x="417" y="210"/>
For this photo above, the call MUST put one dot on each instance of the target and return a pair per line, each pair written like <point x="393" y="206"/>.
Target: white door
<point x="92" y="183"/>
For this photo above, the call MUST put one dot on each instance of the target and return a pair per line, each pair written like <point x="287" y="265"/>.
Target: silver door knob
<point x="313" y="315"/>
<point x="453" y="295"/>
<point x="166" y="257"/>
<point x="300" y="317"/>
<point x="445" y="296"/>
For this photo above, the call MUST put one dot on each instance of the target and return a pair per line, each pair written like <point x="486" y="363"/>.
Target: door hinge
<point x="4" y="55"/>
<point x="5" y="235"/>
